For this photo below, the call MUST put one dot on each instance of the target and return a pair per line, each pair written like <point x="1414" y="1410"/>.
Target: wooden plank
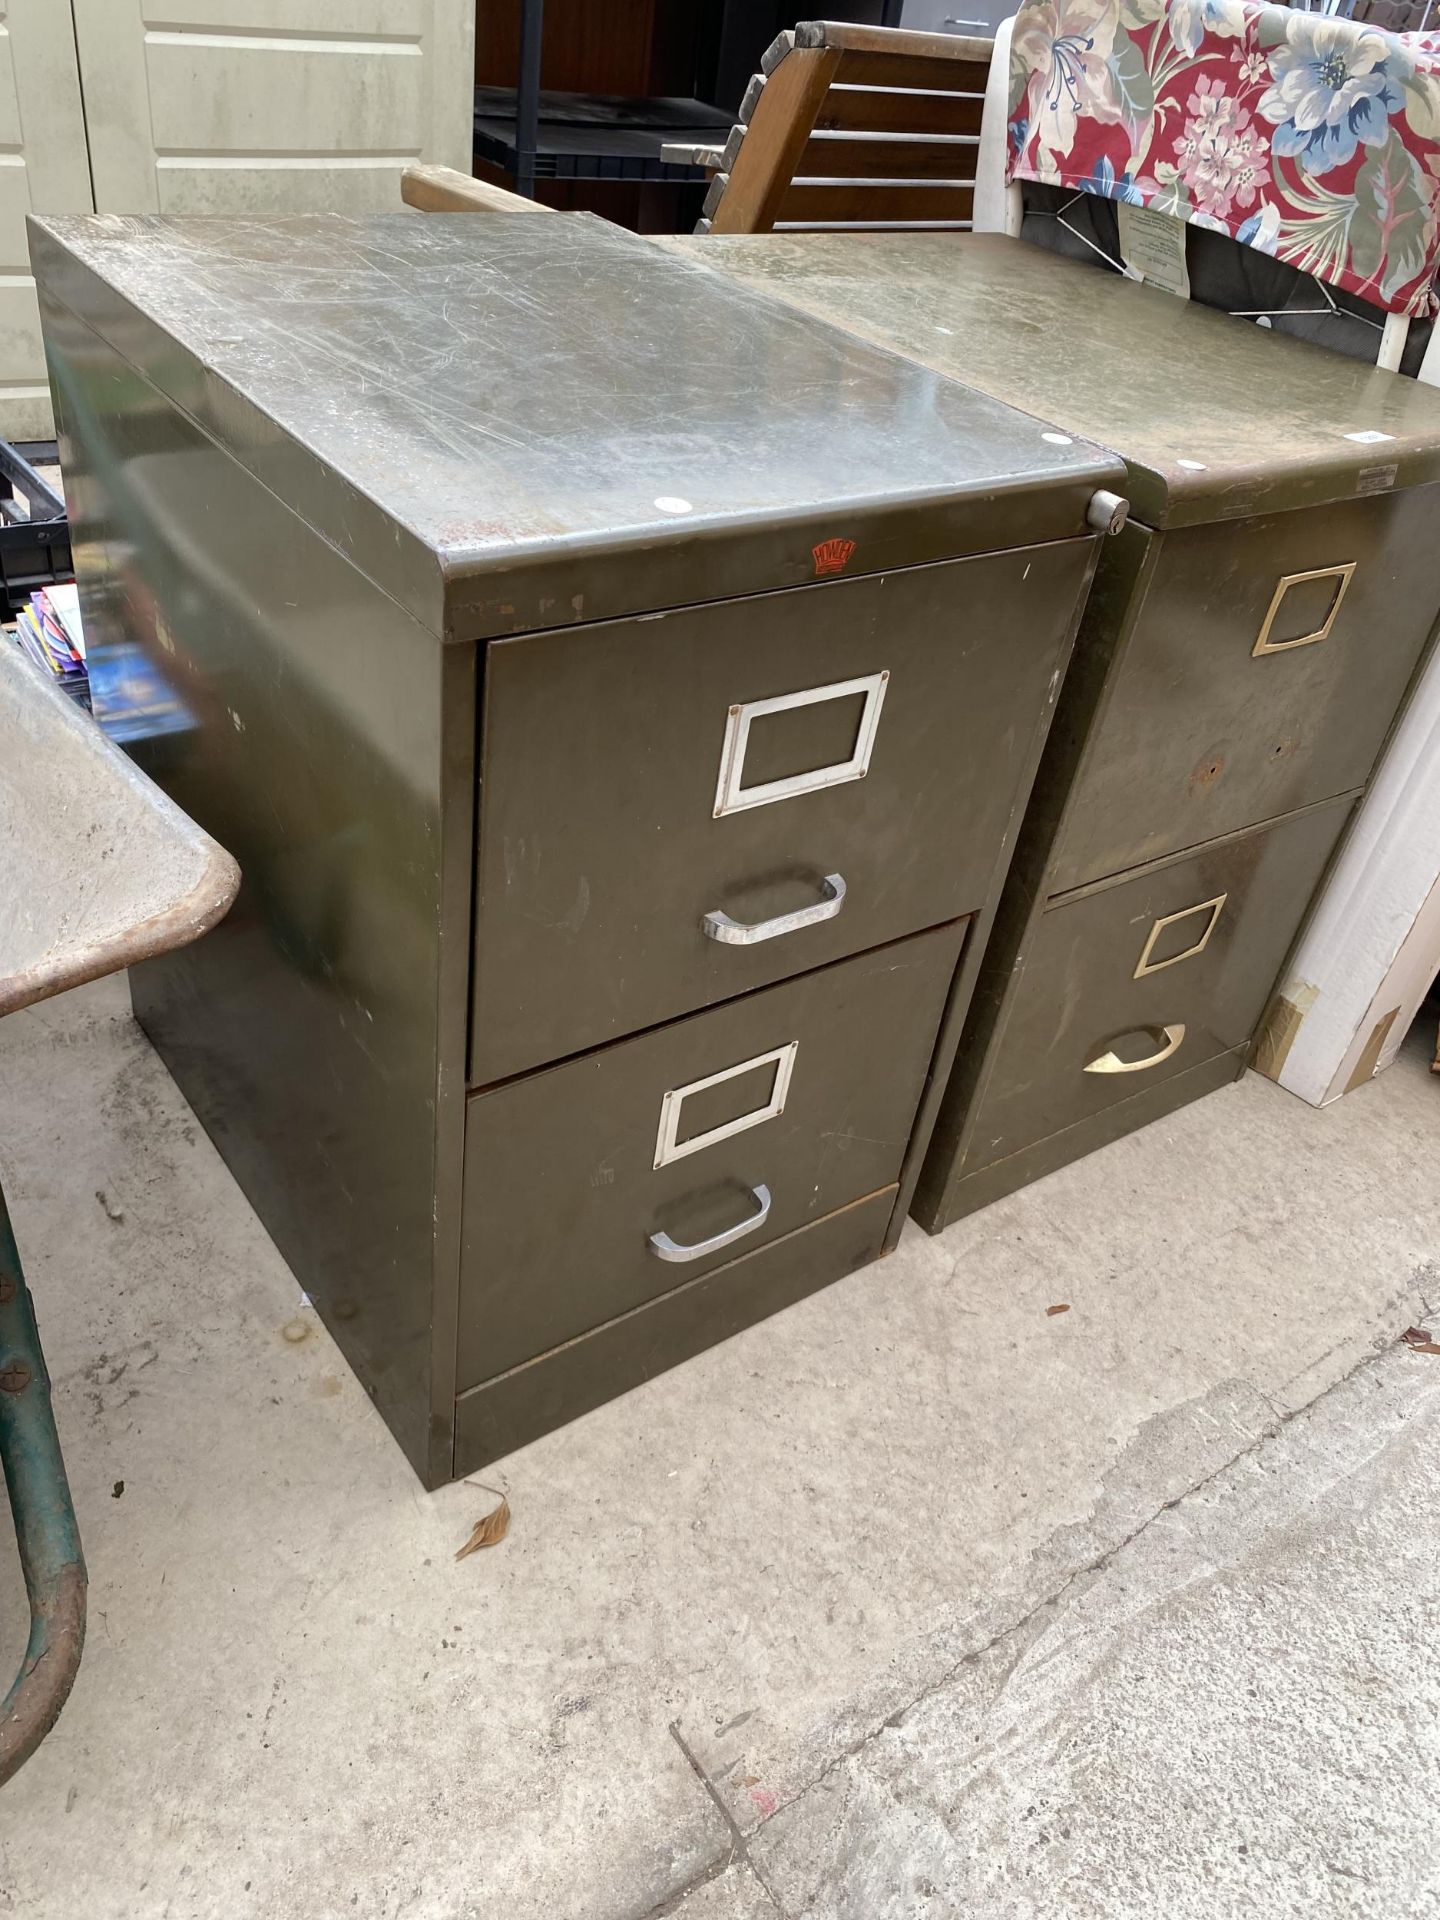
<point x="846" y="201"/>
<point x="895" y="159"/>
<point x="863" y="110"/>
<point x="773" y="142"/>
<point x="443" y="190"/>
<point x="914" y="70"/>
<point x="707" y="151"/>
<point x="849" y="37"/>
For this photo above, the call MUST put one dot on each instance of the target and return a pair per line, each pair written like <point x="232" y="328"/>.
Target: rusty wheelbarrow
<point x="97" y="869"/>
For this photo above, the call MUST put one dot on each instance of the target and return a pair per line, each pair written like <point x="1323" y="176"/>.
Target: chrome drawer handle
<point x="668" y="1249"/>
<point x="1170" y="1038"/>
<point x="733" y="933"/>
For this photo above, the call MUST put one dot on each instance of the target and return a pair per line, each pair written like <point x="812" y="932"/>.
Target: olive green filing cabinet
<point x="1249" y="640"/>
<point x="621" y="693"/>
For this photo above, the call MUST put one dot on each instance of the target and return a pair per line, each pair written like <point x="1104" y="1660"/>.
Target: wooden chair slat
<point x="909" y="70"/>
<point x="845" y="201"/>
<point x="779" y="49"/>
<point x="751" y="100"/>
<point x="890" y="41"/>
<point x="895" y="159"/>
<point x="865" y="110"/>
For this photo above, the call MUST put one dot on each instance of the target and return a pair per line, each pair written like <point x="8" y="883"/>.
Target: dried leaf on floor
<point x="1062" y="1307"/>
<point x="488" y="1532"/>
<point x="1420" y="1340"/>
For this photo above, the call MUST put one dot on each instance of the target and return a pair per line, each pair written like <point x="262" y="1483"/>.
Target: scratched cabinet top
<point x="458" y="401"/>
<point x="1216" y="418"/>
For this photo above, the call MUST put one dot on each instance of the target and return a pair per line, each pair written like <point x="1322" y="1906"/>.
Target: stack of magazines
<point x="49" y="630"/>
<point x="118" y="682"/>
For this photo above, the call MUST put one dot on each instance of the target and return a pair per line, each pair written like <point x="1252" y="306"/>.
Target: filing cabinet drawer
<point x="567" y="1381"/>
<point x="596" y="1185"/>
<point x="834" y="766"/>
<point x="1264" y="665"/>
<point x="1130" y="983"/>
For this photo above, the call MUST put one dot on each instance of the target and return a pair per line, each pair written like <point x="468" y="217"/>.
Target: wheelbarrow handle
<point x="45" y="1528"/>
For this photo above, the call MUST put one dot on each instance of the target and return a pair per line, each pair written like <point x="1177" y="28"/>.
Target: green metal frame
<point x="45" y="1528"/>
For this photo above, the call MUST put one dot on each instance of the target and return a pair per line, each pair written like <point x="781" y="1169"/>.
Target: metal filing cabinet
<point x="746" y="638"/>
<point x="1249" y="640"/>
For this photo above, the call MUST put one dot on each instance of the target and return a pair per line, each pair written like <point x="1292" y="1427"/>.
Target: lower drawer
<point x="599" y="1184"/>
<point x="984" y="1185"/>
<point x="1127" y="983"/>
<point x="545" y="1393"/>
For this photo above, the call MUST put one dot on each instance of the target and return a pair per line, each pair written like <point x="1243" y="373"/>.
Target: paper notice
<point x="1152" y="245"/>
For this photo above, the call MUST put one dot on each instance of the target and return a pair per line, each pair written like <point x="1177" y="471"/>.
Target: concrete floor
<point x="917" y="1600"/>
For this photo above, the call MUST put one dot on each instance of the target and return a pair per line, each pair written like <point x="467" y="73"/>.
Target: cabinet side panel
<point x="296" y="713"/>
<point x="1104" y="625"/>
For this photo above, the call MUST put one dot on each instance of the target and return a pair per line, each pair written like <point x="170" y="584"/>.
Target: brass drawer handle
<point x="667" y="1249"/>
<point x="1169" y="1037"/>
<point x="1265" y="644"/>
<point x="734" y="933"/>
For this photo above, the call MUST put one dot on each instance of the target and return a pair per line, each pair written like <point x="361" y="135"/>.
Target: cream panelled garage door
<point x="271" y="106"/>
<point x="42" y="168"/>
<point x="211" y="106"/>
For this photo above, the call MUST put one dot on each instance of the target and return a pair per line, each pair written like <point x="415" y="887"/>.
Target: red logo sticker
<point x="832" y="556"/>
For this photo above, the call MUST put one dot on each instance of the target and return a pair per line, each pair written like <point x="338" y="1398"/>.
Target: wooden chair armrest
<point x="444" y="190"/>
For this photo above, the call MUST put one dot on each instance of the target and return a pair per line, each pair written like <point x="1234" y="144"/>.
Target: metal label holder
<point x="1146" y="966"/>
<point x="731" y="793"/>
<point x="1343" y="573"/>
<point x="669" y="1147"/>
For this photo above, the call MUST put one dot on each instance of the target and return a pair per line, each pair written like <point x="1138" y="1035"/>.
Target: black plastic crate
<point x="34" y="532"/>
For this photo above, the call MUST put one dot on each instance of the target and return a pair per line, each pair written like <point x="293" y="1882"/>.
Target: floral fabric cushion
<point x="1313" y="138"/>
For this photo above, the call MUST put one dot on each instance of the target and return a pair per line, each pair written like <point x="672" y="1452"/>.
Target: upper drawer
<point x="830" y="767"/>
<point x="1263" y="664"/>
<point x="594" y="1186"/>
<point x="1132" y="982"/>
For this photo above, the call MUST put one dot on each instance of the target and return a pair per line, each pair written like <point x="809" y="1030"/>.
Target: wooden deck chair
<point x="855" y="127"/>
